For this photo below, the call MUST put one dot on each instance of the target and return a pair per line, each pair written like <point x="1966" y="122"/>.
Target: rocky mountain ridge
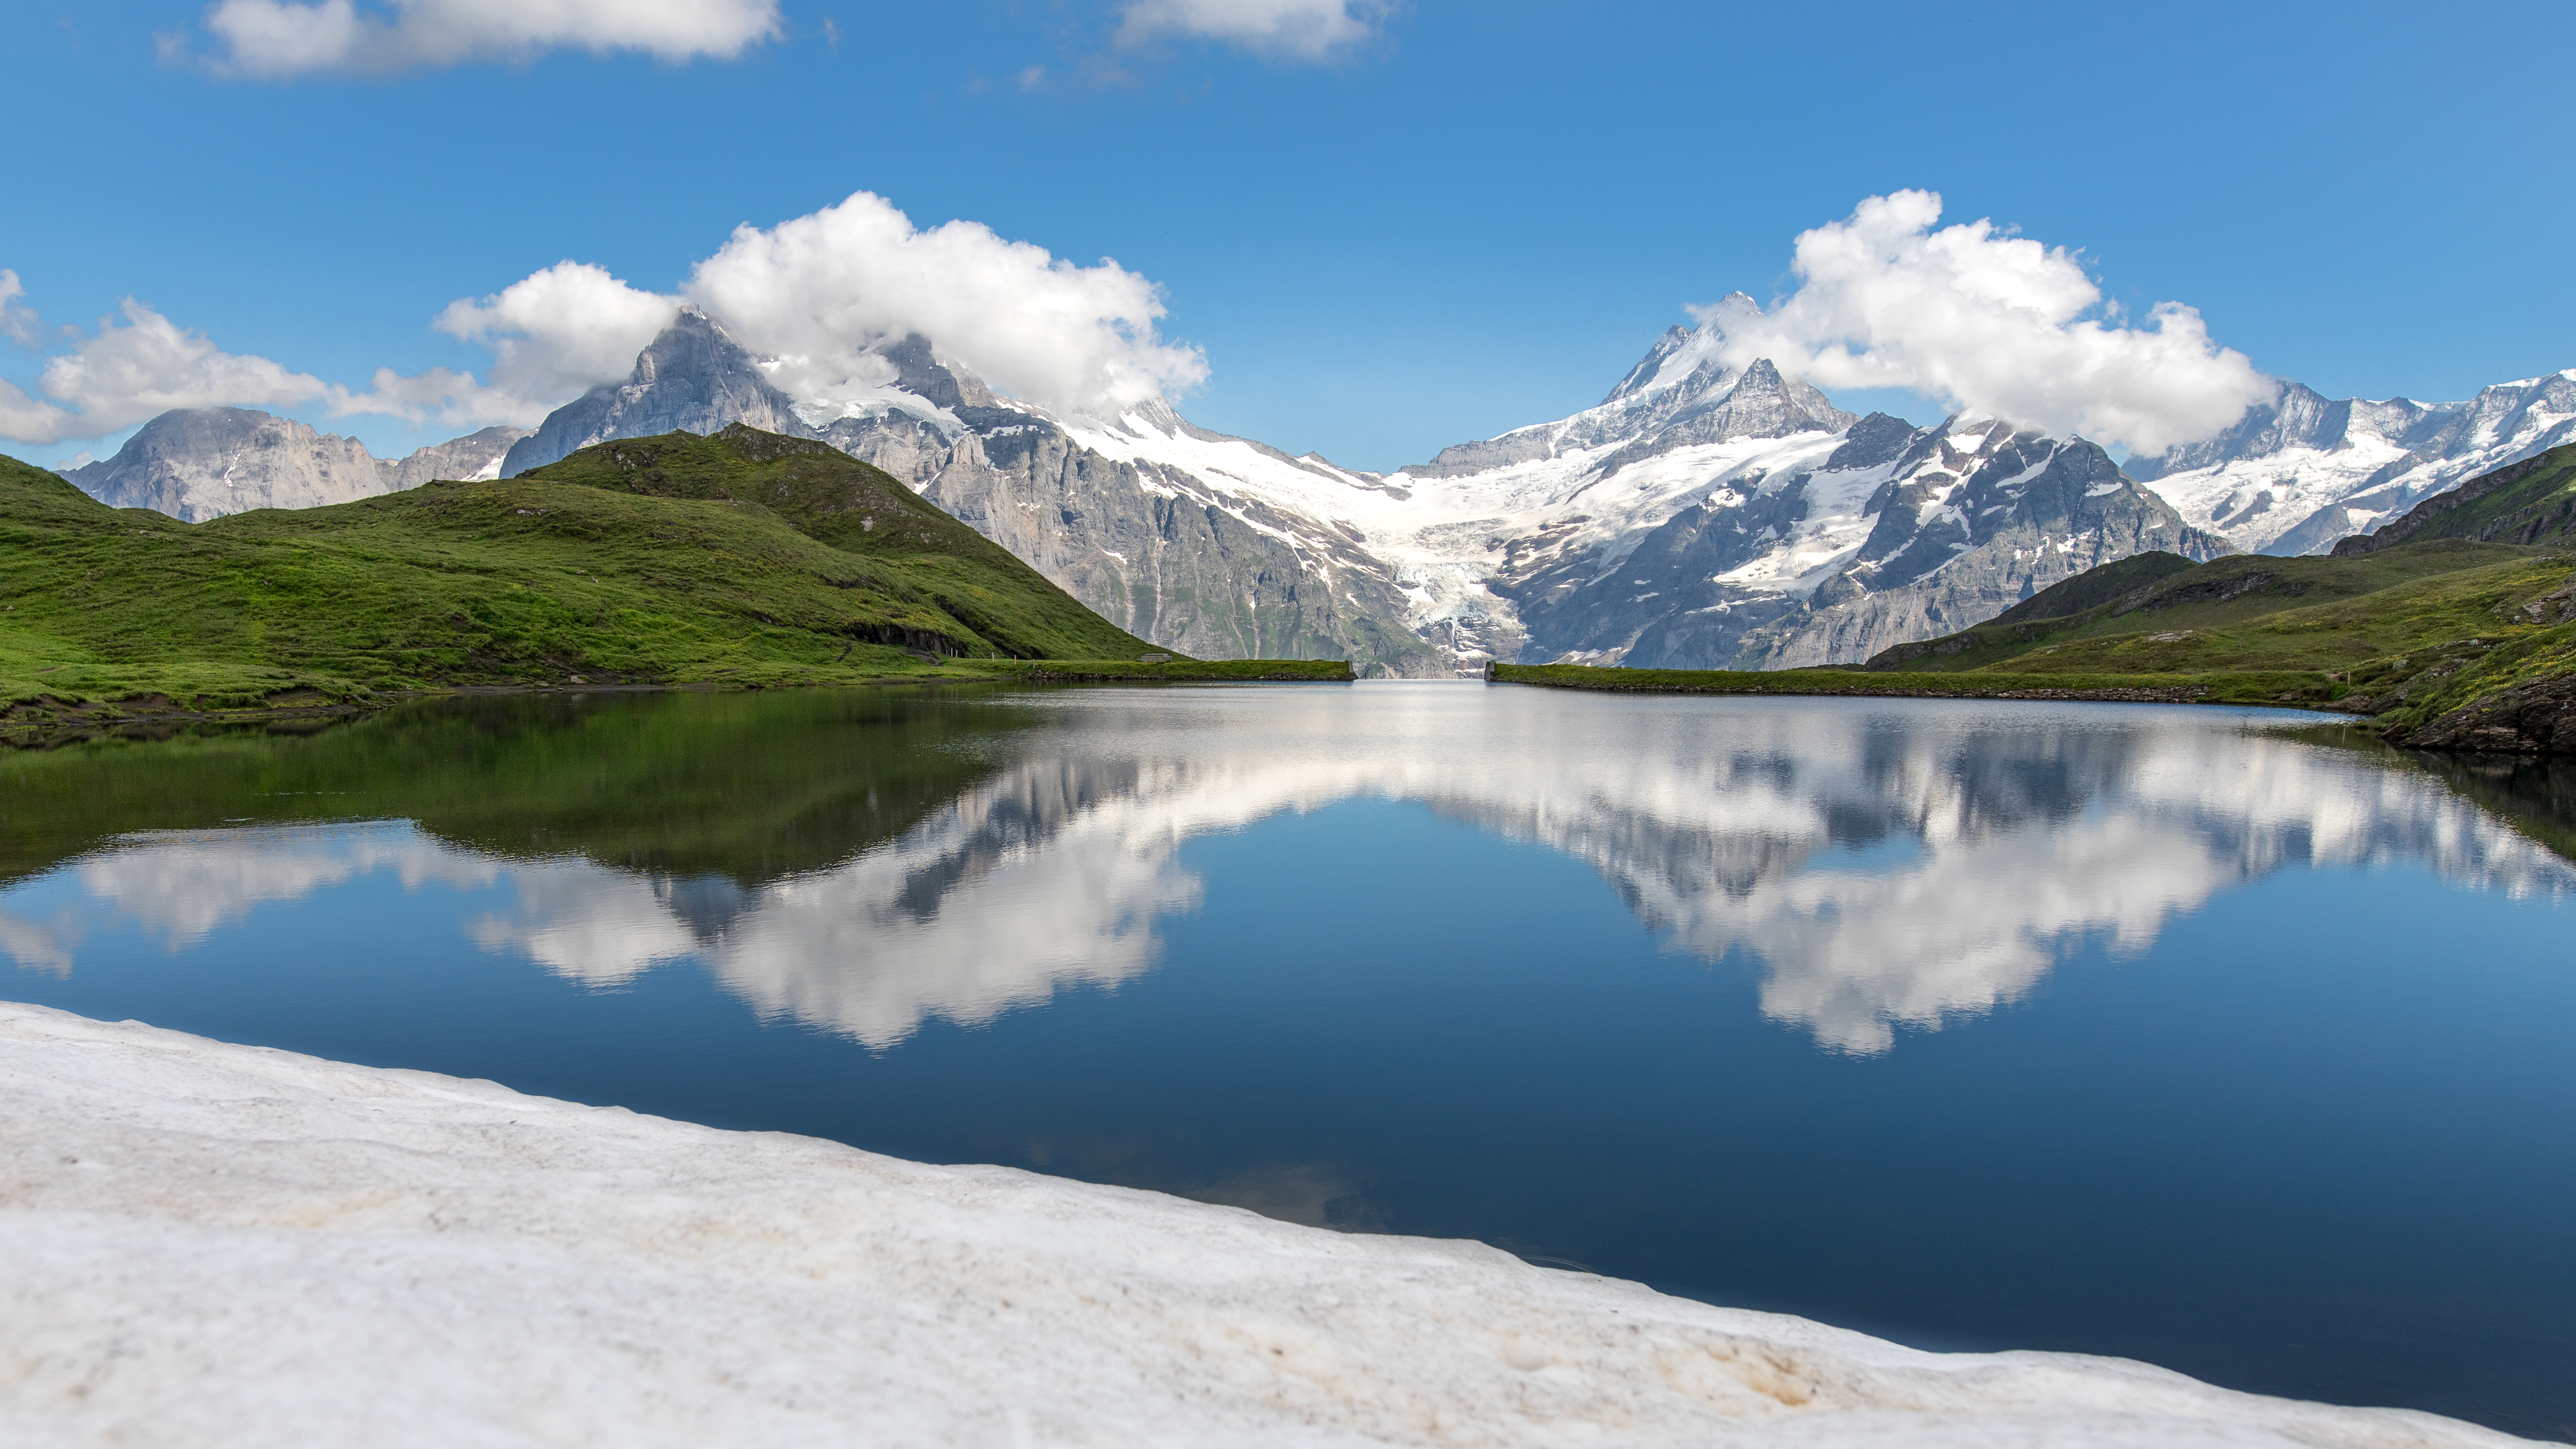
<point x="1177" y="550"/>
<point x="2296" y="475"/>
<point x="199" y="463"/>
<point x="1702" y="513"/>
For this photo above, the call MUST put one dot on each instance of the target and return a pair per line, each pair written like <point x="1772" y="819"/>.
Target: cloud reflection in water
<point x="1898" y="864"/>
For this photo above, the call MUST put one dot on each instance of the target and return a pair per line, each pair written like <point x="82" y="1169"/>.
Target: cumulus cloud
<point x="17" y="322"/>
<point x="1295" y="29"/>
<point x="817" y="292"/>
<point x="123" y="374"/>
<point x="553" y="334"/>
<point x="1988" y="322"/>
<point x="270" y="39"/>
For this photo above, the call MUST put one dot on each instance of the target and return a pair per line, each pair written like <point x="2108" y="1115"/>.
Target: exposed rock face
<point x="1701" y="515"/>
<point x="1165" y="554"/>
<point x="2296" y="476"/>
<point x="473" y="458"/>
<point x="2528" y="719"/>
<point x="692" y="378"/>
<point x="1178" y="552"/>
<point x="1961" y="522"/>
<point x="1706" y="518"/>
<point x="201" y="463"/>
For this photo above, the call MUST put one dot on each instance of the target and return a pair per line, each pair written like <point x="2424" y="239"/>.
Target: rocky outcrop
<point x="2526" y="719"/>
<point x="200" y="463"/>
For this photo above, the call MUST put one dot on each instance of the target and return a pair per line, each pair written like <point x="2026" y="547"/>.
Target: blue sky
<point x="1455" y="220"/>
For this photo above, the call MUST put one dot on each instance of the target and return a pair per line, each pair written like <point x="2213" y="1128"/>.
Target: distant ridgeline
<point x="1703" y="515"/>
<point x="744" y="558"/>
<point x="2453" y="627"/>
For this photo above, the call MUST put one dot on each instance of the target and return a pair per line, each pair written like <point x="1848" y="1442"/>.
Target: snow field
<point x="209" y="1244"/>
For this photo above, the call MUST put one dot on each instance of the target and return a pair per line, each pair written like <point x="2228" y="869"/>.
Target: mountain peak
<point x="692" y="378"/>
<point x="201" y="463"/>
<point x="921" y="371"/>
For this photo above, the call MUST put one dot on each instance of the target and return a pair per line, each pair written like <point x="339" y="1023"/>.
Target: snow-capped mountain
<point x="1701" y="515"/>
<point x="692" y="378"/>
<point x="201" y="463"/>
<point x="1174" y="533"/>
<point x="1705" y="517"/>
<point x="2293" y="477"/>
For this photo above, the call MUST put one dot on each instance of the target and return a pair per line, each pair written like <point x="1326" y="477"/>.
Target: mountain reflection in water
<point x="1909" y="864"/>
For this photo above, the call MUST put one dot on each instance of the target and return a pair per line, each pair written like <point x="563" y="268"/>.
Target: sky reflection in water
<point x="1333" y="917"/>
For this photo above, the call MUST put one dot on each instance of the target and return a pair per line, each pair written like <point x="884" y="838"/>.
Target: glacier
<point x="2297" y="475"/>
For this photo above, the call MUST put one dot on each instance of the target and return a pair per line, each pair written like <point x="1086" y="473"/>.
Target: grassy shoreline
<point x="24" y="714"/>
<point x="2270" y="689"/>
<point x="740" y="560"/>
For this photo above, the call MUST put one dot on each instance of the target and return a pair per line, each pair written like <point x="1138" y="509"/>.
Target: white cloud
<point x="1991" y="323"/>
<point x="125" y="374"/>
<point x="553" y="334"/>
<point x="269" y="39"/>
<point x="1299" y="29"/>
<point x="817" y="291"/>
<point x="17" y="323"/>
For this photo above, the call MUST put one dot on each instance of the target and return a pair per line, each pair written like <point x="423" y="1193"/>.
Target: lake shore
<point x="46" y="713"/>
<point x="2269" y="691"/>
<point x="218" y="1244"/>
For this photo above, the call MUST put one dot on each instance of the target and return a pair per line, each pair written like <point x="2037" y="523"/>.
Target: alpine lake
<point x="2201" y="1036"/>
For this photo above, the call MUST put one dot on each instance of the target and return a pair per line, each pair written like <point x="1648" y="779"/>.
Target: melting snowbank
<point x="209" y="1244"/>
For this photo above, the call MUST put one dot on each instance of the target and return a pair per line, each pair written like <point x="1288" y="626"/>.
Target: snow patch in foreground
<point x="210" y="1244"/>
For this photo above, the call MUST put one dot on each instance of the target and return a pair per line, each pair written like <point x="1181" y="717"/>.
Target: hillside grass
<point x="2407" y="636"/>
<point x="717" y="561"/>
<point x="2284" y="688"/>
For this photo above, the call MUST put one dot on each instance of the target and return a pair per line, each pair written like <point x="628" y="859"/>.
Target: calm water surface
<point x="2128" y="1030"/>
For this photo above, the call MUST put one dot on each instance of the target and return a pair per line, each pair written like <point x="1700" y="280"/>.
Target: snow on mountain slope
<point x="1780" y="529"/>
<point x="2294" y="477"/>
<point x="1591" y="485"/>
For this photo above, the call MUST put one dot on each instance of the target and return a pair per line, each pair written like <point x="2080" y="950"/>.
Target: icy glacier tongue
<point x="222" y="1245"/>
<point x="2295" y="476"/>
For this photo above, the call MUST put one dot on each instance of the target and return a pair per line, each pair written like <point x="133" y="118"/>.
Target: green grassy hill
<point x="2411" y="634"/>
<point x="737" y="559"/>
<point x="2447" y="642"/>
<point x="2232" y="613"/>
